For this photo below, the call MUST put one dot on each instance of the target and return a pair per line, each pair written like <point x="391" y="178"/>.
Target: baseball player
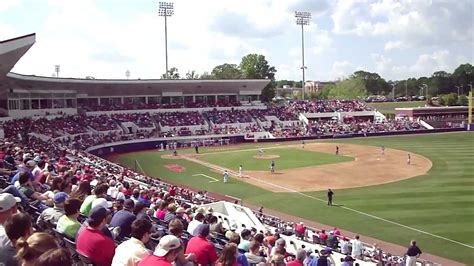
<point x="226" y="176"/>
<point x="260" y="152"/>
<point x="272" y="167"/>
<point x="337" y="150"/>
<point x="383" y="150"/>
<point x="408" y="159"/>
<point x="240" y="171"/>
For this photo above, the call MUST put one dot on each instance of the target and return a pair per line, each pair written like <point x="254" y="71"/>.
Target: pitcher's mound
<point x="266" y="156"/>
<point x="170" y="157"/>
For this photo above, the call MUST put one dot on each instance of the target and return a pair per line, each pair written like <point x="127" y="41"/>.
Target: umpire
<point x="330" y="194"/>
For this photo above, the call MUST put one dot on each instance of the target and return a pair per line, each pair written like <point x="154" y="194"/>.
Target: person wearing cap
<point x="165" y="252"/>
<point x="92" y="242"/>
<point x="68" y="223"/>
<point x="204" y="250"/>
<point x="300" y="257"/>
<point x="132" y="251"/>
<point x="52" y="215"/>
<point x="180" y="216"/>
<point x="345" y="246"/>
<point x="124" y="219"/>
<point x="7" y="209"/>
<point x="324" y="259"/>
<point x="17" y="226"/>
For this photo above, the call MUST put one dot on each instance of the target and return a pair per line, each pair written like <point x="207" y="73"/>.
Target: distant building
<point x="315" y="86"/>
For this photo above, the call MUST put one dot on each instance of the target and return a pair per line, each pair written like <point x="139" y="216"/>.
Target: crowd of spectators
<point x="173" y="119"/>
<point x="325" y="106"/>
<point x="332" y="127"/>
<point x="140" y="119"/>
<point x="228" y="116"/>
<point x="74" y="206"/>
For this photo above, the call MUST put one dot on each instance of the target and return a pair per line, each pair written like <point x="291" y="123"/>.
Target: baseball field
<point x="379" y="194"/>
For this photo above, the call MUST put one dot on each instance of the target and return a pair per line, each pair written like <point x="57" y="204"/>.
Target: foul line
<point x="346" y="208"/>
<point x="210" y="177"/>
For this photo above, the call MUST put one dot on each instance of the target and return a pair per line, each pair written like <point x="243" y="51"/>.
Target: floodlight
<point x="302" y="18"/>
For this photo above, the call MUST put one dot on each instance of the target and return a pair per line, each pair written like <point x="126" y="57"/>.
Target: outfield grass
<point x="441" y="202"/>
<point x="289" y="158"/>
<point x="389" y="107"/>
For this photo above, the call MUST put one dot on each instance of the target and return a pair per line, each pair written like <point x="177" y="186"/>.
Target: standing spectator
<point x="345" y="246"/>
<point x="300" y="257"/>
<point x="19" y="225"/>
<point x="132" y="251"/>
<point x="300" y="230"/>
<point x="29" y="249"/>
<point x="7" y="209"/>
<point x="203" y="249"/>
<point x="124" y="219"/>
<point x="92" y="242"/>
<point x="68" y="223"/>
<point x="357" y="248"/>
<point x="52" y="215"/>
<point x="165" y="253"/>
<point x="324" y="259"/>
<point x="413" y="253"/>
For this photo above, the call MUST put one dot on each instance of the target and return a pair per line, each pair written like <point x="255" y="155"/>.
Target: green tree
<point x="191" y="74"/>
<point x="206" y="75"/>
<point x="226" y="71"/>
<point x="254" y="66"/>
<point x="463" y="100"/>
<point x="373" y="82"/>
<point x="463" y="75"/>
<point x="450" y="99"/>
<point x="173" y="73"/>
<point x="352" y="88"/>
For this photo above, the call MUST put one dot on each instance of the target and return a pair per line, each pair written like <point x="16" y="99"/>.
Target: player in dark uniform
<point x="337" y="150"/>
<point x="330" y="194"/>
<point x="196" y="148"/>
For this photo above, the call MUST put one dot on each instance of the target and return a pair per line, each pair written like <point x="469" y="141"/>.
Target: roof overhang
<point x="12" y="50"/>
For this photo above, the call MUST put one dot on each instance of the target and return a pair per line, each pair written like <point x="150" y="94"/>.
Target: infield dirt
<point x="369" y="167"/>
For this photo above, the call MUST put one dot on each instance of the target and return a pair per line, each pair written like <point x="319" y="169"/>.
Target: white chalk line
<point x="346" y="208"/>
<point x="210" y="177"/>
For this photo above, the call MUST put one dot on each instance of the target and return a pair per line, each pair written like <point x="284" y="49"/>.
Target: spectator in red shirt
<point x="165" y="253"/>
<point x="300" y="256"/>
<point x="92" y="243"/>
<point x="199" y="245"/>
<point x="300" y="230"/>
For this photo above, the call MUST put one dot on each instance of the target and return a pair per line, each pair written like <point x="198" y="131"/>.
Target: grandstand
<point x="62" y="122"/>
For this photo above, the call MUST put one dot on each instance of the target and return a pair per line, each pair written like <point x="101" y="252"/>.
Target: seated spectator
<point x="100" y="191"/>
<point x="175" y="227"/>
<point x="193" y="225"/>
<point x="29" y="249"/>
<point x="180" y="216"/>
<point x="124" y="219"/>
<point x="82" y="191"/>
<point x="161" y="212"/>
<point x="241" y="258"/>
<point x="132" y="251"/>
<point x="228" y="256"/>
<point x="300" y="257"/>
<point x="68" y="223"/>
<point x="52" y="215"/>
<point x="277" y="260"/>
<point x="27" y="189"/>
<point x="245" y="243"/>
<point x="170" y="212"/>
<point x="7" y="209"/>
<point x="140" y="210"/>
<point x="204" y="250"/>
<point x="253" y="255"/>
<point x="324" y="259"/>
<point x="92" y="242"/>
<point x="54" y="257"/>
<point x="165" y="253"/>
<point x="18" y="226"/>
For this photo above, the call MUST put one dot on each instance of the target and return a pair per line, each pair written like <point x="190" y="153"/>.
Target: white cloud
<point x="322" y="41"/>
<point x="7" y="4"/>
<point x="393" y="45"/>
<point x="341" y="69"/>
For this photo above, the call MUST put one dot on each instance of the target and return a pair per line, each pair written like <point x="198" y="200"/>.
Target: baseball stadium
<point x="214" y="147"/>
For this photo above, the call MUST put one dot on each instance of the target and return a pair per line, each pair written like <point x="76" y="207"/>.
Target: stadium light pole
<point x="393" y="89"/>
<point x="458" y="87"/>
<point x="302" y="18"/>
<point x="166" y="10"/>
<point x="56" y="69"/>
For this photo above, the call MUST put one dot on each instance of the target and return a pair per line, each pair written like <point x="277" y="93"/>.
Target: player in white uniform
<point x="383" y="150"/>
<point x="226" y="176"/>
<point x="409" y="159"/>
<point x="240" y="171"/>
<point x="260" y="152"/>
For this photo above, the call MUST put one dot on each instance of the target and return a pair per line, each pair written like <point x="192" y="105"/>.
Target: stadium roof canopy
<point x="12" y="50"/>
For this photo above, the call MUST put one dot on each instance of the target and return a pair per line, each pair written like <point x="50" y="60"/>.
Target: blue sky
<point x="105" y="38"/>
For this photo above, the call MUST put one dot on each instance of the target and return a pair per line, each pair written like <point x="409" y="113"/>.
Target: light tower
<point x="56" y="69"/>
<point x="302" y="18"/>
<point x="166" y="10"/>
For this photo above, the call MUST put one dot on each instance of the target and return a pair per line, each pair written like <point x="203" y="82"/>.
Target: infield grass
<point x="440" y="202"/>
<point x="288" y="158"/>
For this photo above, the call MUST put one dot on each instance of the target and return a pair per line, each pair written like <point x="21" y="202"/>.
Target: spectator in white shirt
<point x="192" y="226"/>
<point x="132" y="251"/>
<point x="357" y="248"/>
